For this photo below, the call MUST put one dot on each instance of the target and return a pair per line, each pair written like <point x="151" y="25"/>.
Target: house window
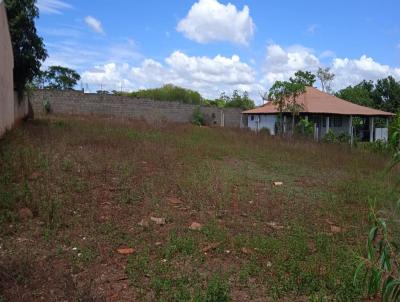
<point x="252" y="117"/>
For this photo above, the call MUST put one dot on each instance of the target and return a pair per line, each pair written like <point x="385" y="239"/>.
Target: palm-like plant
<point x="380" y="269"/>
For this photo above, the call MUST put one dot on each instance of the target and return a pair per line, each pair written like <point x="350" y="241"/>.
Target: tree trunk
<point x="281" y="121"/>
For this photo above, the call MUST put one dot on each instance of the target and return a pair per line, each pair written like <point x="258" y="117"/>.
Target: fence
<point x="77" y="102"/>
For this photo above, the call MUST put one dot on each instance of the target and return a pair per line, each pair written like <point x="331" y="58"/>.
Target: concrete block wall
<point x="6" y="74"/>
<point x="77" y="102"/>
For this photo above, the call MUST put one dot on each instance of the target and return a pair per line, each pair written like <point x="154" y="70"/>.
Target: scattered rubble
<point x="174" y="201"/>
<point x="158" y="220"/>
<point x="125" y="251"/>
<point x="275" y="226"/>
<point x="195" y="226"/>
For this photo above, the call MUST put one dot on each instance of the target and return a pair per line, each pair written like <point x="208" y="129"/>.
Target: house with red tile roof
<point x="328" y="113"/>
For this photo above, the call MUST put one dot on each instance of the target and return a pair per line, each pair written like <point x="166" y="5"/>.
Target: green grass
<point x="89" y="181"/>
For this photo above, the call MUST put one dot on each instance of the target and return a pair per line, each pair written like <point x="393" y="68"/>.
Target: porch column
<point x="284" y="124"/>
<point x="327" y="124"/>
<point x="351" y="129"/>
<point x="316" y="135"/>
<point x="371" y="129"/>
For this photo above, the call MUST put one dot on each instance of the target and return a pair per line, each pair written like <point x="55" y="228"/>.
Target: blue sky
<point x="214" y="46"/>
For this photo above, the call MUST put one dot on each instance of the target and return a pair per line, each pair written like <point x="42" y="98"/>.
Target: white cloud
<point x="209" y="20"/>
<point x="110" y="76"/>
<point x="209" y="76"/>
<point x="52" y="6"/>
<point x="116" y="51"/>
<point x="353" y="71"/>
<point x="312" y="28"/>
<point x="327" y="54"/>
<point x="94" y="24"/>
<point x="280" y="63"/>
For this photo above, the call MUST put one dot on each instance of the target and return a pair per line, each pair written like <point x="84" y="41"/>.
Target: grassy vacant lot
<point x="93" y="184"/>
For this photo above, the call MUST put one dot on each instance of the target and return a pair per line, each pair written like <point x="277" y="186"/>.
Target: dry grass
<point x="90" y="181"/>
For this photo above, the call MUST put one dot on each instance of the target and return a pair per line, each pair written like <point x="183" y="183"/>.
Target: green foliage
<point x="170" y="93"/>
<point x="383" y="95"/>
<point x="284" y="96"/>
<point x="394" y="132"/>
<point x="198" y="118"/>
<point x="379" y="270"/>
<point x="360" y="94"/>
<point x="305" y="128"/>
<point x="183" y="245"/>
<point x="28" y="47"/>
<point x="265" y="131"/>
<point x="46" y="106"/>
<point x="305" y="78"/>
<point x="217" y="290"/>
<point x="238" y="100"/>
<point x="57" y="77"/>
<point x="332" y="137"/>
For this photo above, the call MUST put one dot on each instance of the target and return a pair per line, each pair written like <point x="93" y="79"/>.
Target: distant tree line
<point x="171" y="92"/>
<point x="384" y="94"/>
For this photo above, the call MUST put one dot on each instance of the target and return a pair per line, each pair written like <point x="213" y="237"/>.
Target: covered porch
<point x="357" y="127"/>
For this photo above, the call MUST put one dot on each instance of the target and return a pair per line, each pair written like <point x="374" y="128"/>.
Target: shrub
<point x="379" y="271"/>
<point x="170" y="93"/>
<point x="304" y="128"/>
<point x="329" y="137"/>
<point x="265" y="131"/>
<point x="343" y="137"/>
<point x="198" y="118"/>
<point x="46" y="106"/>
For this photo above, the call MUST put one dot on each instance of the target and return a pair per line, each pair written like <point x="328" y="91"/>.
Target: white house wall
<point x="262" y="121"/>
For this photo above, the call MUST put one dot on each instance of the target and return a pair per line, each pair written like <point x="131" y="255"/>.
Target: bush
<point x="265" y="131"/>
<point x="304" y="128"/>
<point x="198" y="118"/>
<point x="46" y="106"/>
<point x="331" y="137"/>
<point x="170" y="93"/>
<point x="343" y="137"/>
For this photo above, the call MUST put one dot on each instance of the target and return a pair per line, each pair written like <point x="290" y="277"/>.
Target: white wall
<point x="262" y="121"/>
<point x="6" y="74"/>
<point x="381" y="134"/>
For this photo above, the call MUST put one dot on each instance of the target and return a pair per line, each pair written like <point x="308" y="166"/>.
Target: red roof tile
<point x="316" y="101"/>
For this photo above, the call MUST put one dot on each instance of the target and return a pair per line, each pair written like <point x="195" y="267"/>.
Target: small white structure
<point x="328" y="113"/>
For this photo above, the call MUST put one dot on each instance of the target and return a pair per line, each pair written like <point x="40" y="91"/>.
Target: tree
<point x="387" y="94"/>
<point x="57" y="77"/>
<point x="170" y="93"/>
<point x="326" y="78"/>
<point x="361" y="94"/>
<point x="284" y="96"/>
<point x="238" y="100"/>
<point x="305" y="78"/>
<point x="384" y="94"/>
<point x="28" y="47"/>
